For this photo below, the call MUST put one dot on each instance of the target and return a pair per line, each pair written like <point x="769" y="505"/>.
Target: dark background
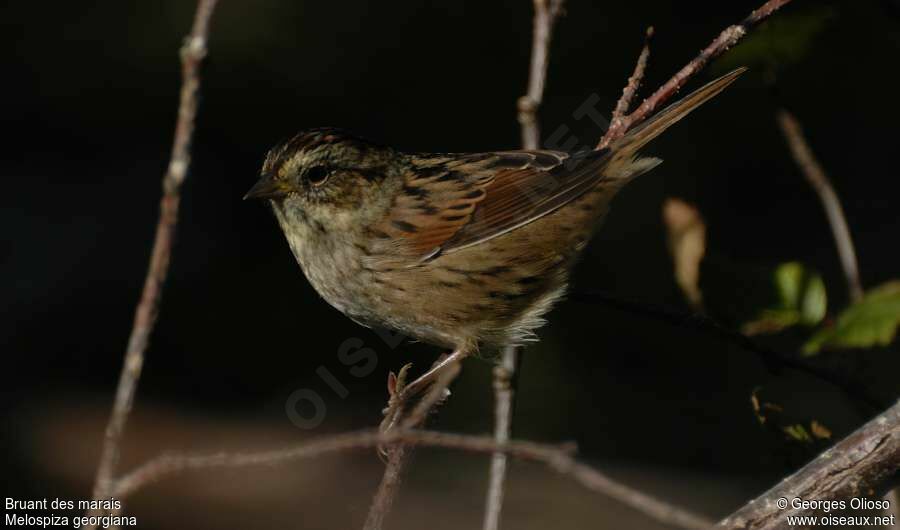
<point x="90" y="91"/>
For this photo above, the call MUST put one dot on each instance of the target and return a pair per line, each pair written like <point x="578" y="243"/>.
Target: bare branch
<point x="634" y="82"/>
<point x="546" y="12"/>
<point x="557" y="457"/>
<point x="728" y="38"/>
<point x="192" y="53"/>
<point x="858" y="466"/>
<point x="815" y="175"/>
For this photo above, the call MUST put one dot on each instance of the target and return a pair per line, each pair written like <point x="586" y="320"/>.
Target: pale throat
<point x="324" y="250"/>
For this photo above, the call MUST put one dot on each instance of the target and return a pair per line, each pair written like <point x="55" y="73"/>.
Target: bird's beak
<point x="267" y="188"/>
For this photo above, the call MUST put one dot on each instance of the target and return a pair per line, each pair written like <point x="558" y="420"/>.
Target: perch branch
<point x="858" y="466"/>
<point x="557" y="457"/>
<point x="397" y="454"/>
<point x="192" y="53"/>
<point x="728" y="38"/>
<point x="546" y="12"/>
<point x="815" y="175"/>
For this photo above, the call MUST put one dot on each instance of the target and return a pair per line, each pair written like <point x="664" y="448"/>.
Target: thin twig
<point x="728" y="38"/>
<point x="192" y="53"/>
<point x="558" y="457"/>
<point x="815" y="175"/>
<point x="398" y="454"/>
<point x="546" y="12"/>
<point x="634" y="82"/>
<point x="858" y="466"/>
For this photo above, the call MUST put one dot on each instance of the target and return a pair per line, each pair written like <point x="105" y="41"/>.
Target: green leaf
<point x="872" y="321"/>
<point x="797" y="433"/>
<point x="802" y="299"/>
<point x="801" y="290"/>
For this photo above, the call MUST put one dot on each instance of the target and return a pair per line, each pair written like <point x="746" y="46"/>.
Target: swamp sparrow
<point x="464" y="251"/>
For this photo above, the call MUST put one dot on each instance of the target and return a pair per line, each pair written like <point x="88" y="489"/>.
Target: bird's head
<point x="327" y="174"/>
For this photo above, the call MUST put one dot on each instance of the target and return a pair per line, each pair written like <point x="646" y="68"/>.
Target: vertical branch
<point x="546" y="12"/>
<point x="192" y="53"/>
<point x="817" y="178"/>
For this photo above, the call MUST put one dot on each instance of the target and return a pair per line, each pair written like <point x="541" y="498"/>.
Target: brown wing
<point x="450" y="202"/>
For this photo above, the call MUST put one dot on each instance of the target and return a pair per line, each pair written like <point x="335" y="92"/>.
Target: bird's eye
<point x="317" y="175"/>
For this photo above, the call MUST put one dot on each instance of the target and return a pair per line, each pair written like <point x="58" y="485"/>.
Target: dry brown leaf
<point x="819" y="431"/>
<point x="687" y="244"/>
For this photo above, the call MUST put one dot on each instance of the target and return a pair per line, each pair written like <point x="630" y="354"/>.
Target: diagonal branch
<point x="815" y="175"/>
<point x="192" y="53"/>
<point x="728" y="38"/>
<point x="858" y="466"/>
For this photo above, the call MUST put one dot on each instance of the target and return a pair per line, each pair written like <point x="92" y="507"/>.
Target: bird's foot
<point x="401" y="393"/>
<point x="396" y="385"/>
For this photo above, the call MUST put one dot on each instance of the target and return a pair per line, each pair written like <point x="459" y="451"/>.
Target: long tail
<point x="626" y="147"/>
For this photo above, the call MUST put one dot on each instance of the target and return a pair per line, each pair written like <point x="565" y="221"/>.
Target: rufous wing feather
<point x="461" y="200"/>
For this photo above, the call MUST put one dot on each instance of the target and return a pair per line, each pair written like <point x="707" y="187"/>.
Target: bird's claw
<point x="396" y="383"/>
